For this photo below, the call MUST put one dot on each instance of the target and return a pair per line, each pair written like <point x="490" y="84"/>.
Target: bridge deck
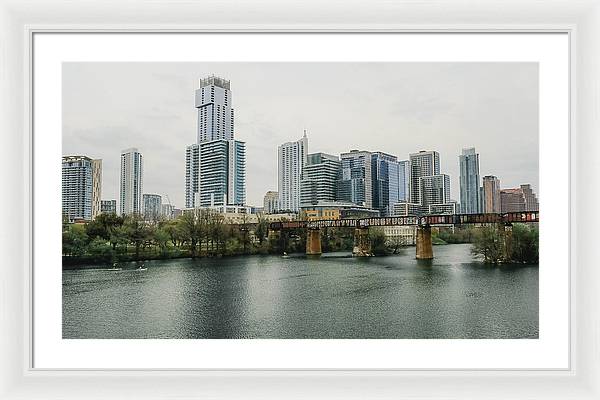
<point x="445" y="219"/>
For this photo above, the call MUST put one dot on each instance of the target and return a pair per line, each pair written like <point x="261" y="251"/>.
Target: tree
<point x="161" y="238"/>
<point x="191" y="226"/>
<point x="74" y="241"/>
<point x="489" y="243"/>
<point x="378" y="242"/>
<point x="137" y="232"/>
<point x="525" y="244"/>
<point x="262" y="229"/>
<point x="395" y="244"/>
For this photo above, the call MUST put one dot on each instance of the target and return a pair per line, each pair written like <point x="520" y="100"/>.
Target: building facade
<point x="356" y="183"/>
<point x="423" y="163"/>
<point x="490" y="191"/>
<point x="215" y="113"/>
<point x="291" y="159"/>
<point x="519" y="199"/>
<point x="131" y="182"/>
<point x="271" y="202"/>
<point x="319" y="180"/>
<point x="435" y="189"/>
<point x="469" y="181"/>
<point x="166" y="211"/>
<point x="192" y="174"/>
<point x="152" y="206"/>
<point x="81" y="187"/>
<point x="108" y="206"/>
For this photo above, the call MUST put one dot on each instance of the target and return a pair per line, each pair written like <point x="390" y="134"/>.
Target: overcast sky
<point x="398" y="108"/>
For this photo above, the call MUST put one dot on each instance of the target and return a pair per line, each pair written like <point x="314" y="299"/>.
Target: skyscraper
<point x="108" y="206"/>
<point x="469" y="181"/>
<point x="291" y="158"/>
<point x="490" y="194"/>
<point x="423" y="163"/>
<point x="390" y="179"/>
<point x="81" y="187"/>
<point x="152" y="206"/>
<point x="216" y="165"/>
<point x="319" y="179"/>
<point x="356" y="184"/>
<point x="215" y="114"/>
<point x="131" y="182"/>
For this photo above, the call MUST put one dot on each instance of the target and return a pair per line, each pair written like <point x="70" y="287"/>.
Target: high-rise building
<point x="216" y="164"/>
<point x="519" y="199"/>
<point x="356" y="183"/>
<point x="221" y="173"/>
<point x="131" y="182"/>
<point x="192" y="174"/>
<point x="271" y="202"/>
<point x="108" y="206"/>
<point x="423" y="163"/>
<point x="291" y="158"/>
<point x="490" y="191"/>
<point x="215" y="114"/>
<point x="319" y="179"/>
<point x="390" y="180"/>
<point x="81" y="187"/>
<point x="469" y="181"/>
<point x="152" y="206"/>
<point x="435" y="189"/>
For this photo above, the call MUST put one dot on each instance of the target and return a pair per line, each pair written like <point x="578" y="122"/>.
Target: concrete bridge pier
<point x="313" y="242"/>
<point x="424" y="246"/>
<point x="362" y="243"/>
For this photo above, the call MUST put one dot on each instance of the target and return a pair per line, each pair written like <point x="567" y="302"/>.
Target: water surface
<point x="335" y="296"/>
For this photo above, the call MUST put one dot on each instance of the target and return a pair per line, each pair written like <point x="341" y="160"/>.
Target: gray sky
<point x="398" y="108"/>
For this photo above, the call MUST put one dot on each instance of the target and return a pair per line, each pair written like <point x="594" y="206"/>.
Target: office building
<point x="108" y="206"/>
<point x="81" y="187"/>
<point x="319" y="179"/>
<point x="356" y="184"/>
<point x="469" y="181"/>
<point x="291" y="158"/>
<point x="423" y="163"/>
<point x="407" y="209"/>
<point x="390" y="180"/>
<point x="445" y="208"/>
<point x="518" y="199"/>
<point x="215" y="113"/>
<point x="271" y="202"/>
<point x="131" y="182"/>
<point x="152" y="206"/>
<point x="490" y="194"/>
<point x="435" y="189"/>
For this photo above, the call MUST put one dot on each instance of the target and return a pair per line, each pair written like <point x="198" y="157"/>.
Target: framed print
<point x="285" y="208"/>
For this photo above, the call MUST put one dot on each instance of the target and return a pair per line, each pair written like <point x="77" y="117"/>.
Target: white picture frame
<point x="19" y="21"/>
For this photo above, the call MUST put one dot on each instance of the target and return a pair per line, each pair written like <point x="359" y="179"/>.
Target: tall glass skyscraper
<point x="216" y="164"/>
<point x="356" y="185"/>
<point x="81" y="187"/>
<point x="291" y="159"/>
<point x="131" y="182"/>
<point x="469" y="181"/>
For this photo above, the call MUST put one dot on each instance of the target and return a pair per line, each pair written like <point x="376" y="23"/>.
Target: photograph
<point x="300" y="200"/>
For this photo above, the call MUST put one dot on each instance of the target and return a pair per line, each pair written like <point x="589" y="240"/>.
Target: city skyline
<point x="259" y="136"/>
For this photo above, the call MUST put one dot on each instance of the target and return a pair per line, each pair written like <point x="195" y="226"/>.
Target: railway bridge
<point x="423" y="224"/>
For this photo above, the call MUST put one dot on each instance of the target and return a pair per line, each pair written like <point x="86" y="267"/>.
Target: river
<point x="336" y="296"/>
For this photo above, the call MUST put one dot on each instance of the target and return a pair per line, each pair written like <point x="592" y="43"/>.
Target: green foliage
<point x="489" y="243"/>
<point x="75" y="240"/>
<point x="460" y="234"/>
<point x="525" y="244"/>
